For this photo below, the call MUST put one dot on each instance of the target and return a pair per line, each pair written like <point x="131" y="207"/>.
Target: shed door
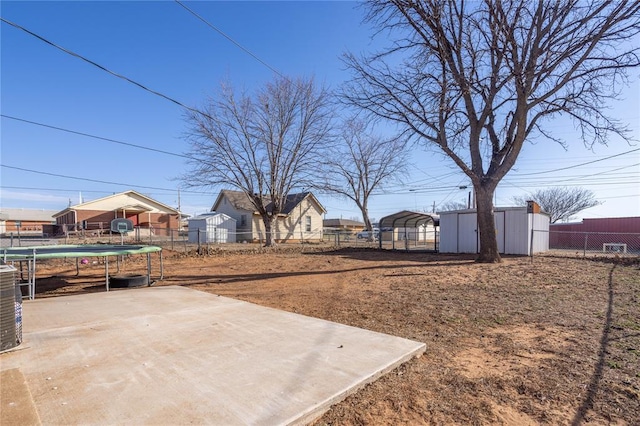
<point x="467" y="233"/>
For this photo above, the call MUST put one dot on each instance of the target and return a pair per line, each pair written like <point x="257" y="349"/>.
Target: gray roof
<point x="240" y="201"/>
<point x="342" y="222"/>
<point x="27" y="214"/>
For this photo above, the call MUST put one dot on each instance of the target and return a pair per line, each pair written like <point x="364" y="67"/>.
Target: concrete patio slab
<point x="172" y="355"/>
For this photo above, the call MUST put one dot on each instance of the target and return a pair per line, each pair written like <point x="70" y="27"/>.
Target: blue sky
<point x="167" y="49"/>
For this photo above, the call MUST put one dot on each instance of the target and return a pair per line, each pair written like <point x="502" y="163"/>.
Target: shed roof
<point x="409" y="219"/>
<point x="205" y="216"/>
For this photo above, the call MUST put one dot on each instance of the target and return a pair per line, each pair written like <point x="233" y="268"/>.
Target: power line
<point x="93" y="191"/>
<point x="92" y="180"/>
<point x="95" y="64"/>
<point x="579" y="165"/>
<point x="219" y="31"/>
<point x="96" y="137"/>
<point x="124" y="77"/>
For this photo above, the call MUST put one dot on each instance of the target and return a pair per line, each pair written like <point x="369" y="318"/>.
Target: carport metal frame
<point x="406" y="219"/>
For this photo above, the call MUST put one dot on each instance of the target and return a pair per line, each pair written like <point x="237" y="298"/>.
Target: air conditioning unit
<point x="10" y="309"/>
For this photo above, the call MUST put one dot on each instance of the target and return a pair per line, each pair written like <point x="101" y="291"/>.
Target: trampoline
<point x="31" y="255"/>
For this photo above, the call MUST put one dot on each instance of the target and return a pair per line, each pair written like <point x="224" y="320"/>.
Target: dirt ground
<point x="553" y="341"/>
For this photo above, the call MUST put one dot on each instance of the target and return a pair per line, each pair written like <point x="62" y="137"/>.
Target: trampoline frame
<point x="30" y="255"/>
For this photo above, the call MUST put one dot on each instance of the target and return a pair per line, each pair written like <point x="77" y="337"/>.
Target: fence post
<point x="586" y="238"/>
<point x="531" y="245"/>
<point x="199" y="241"/>
<point x="171" y="231"/>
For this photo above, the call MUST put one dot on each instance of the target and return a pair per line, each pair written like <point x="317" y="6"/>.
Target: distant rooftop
<point x="27" y="214"/>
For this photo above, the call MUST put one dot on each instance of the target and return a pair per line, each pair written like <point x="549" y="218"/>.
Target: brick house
<point x="146" y="213"/>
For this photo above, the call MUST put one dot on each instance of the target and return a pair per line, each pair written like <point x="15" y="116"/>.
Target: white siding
<point x="422" y="233"/>
<point x="212" y="228"/>
<point x="467" y="233"/>
<point x="458" y="231"/>
<point x="541" y="233"/>
<point x="448" y="232"/>
<point x="516" y="232"/>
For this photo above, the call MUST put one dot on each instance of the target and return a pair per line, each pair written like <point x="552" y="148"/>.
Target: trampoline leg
<point x="148" y="269"/>
<point x="106" y="272"/>
<point x="33" y="279"/>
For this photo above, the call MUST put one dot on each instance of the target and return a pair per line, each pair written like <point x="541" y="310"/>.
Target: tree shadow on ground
<point x="376" y="254"/>
<point x="596" y="378"/>
<point x="237" y="278"/>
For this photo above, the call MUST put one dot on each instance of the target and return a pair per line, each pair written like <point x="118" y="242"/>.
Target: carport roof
<point x="408" y="219"/>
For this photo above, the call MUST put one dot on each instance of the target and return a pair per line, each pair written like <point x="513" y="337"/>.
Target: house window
<point x="307" y="226"/>
<point x="243" y="220"/>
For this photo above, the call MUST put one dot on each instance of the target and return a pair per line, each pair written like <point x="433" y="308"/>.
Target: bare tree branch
<point x="561" y="203"/>
<point x="479" y="79"/>
<point x="264" y="145"/>
<point x="362" y="163"/>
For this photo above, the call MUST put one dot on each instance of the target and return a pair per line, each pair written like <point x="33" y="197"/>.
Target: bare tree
<point x="561" y="203"/>
<point x="478" y="79"/>
<point x="264" y="145"/>
<point x="454" y="205"/>
<point x="361" y="164"/>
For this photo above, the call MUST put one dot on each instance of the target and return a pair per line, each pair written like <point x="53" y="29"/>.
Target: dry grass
<point x="556" y="341"/>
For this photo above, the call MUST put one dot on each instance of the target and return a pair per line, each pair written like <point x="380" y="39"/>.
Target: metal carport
<point x="408" y="219"/>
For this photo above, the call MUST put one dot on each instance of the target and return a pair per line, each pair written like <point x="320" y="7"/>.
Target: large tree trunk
<point x="269" y="240"/>
<point x="486" y="225"/>
<point x="367" y="221"/>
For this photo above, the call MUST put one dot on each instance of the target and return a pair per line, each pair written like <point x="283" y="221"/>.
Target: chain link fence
<point x="587" y="243"/>
<point x="217" y="238"/>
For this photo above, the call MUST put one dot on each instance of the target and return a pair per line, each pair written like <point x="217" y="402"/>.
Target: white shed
<point x="212" y="227"/>
<point x="514" y="226"/>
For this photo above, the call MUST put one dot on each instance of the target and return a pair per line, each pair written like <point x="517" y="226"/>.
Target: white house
<point x="212" y="228"/>
<point x="300" y="219"/>
<point x="519" y="230"/>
